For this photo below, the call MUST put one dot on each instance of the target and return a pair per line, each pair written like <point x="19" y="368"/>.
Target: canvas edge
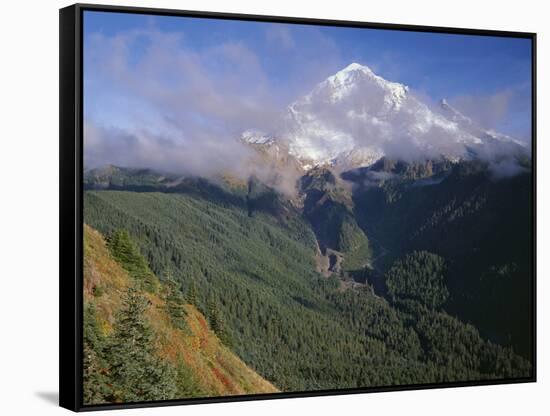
<point x="70" y="218"/>
<point x="70" y="242"/>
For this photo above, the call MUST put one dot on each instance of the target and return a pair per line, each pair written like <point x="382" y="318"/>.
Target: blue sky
<point x="161" y="70"/>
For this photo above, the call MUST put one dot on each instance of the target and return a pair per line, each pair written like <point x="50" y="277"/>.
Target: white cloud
<point x="486" y="110"/>
<point x="165" y="106"/>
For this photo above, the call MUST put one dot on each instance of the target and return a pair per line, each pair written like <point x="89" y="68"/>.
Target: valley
<point x="305" y="326"/>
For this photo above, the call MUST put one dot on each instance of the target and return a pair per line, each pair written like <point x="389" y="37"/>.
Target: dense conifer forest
<point x="401" y="308"/>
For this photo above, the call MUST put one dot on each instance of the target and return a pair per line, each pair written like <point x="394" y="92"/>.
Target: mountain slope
<point x="213" y="369"/>
<point x="292" y="325"/>
<point x="328" y="206"/>
<point x="480" y="224"/>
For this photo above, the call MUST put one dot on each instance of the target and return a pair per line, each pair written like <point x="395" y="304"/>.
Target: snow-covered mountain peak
<point x="355" y="66"/>
<point x="355" y="116"/>
<point x="357" y="78"/>
<point x="256" y="137"/>
<point x="349" y="70"/>
<point x="323" y="124"/>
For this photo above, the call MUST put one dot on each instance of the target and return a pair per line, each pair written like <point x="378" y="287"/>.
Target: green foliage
<point x="477" y="223"/>
<point x="113" y="176"/>
<point x="129" y="257"/>
<point x="295" y="328"/>
<point x="98" y="291"/>
<point x="192" y="293"/>
<point x="214" y="316"/>
<point x="365" y="312"/>
<point x="135" y="372"/>
<point x="125" y="366"/>
<point x="354" y="244"/>
<point x="217" y="323"/>
<point x="457" y="349"/>
<point x="328" y="209"/>
<point x="96" y="386"/>
<point x="186" y="381"/>
<point x="175" y="305"/>
<point x="419" y="276"/>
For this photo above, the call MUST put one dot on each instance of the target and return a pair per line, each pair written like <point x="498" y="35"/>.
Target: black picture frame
<point x="71" y="201"/>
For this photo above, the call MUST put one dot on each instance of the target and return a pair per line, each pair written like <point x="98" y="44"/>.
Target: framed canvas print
<point x="259" y="207"/>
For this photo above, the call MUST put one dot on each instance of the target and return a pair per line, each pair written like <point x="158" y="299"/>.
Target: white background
<point x="29" y="206"/>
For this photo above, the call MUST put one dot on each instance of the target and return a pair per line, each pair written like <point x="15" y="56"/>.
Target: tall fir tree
<point x="192" y="293"/>
<point x="214" y="316"/>
<point x="174" y="304"/>
<point x="128" y="255"/>
<point x="217" y="323"/>
<point x="136" y="373"/>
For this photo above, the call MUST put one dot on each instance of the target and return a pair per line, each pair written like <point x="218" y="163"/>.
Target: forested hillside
<point x="295" y="327"/>
<point x="478" y="222"/>
<point x="144" y="340"/>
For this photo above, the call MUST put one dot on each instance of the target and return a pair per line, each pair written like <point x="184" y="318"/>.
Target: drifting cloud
<point x="506" y="168"/>
<point x="109" y="145"/>
<point x="181" y="110"/>
<point x="485" y="110"/>
<point x="492" y="111"/>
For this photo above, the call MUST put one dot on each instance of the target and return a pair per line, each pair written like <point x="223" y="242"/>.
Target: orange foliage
<point x="198" y="346"/>
<point x="223" y="379"/>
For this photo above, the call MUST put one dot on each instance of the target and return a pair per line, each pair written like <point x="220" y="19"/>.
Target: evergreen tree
<point x="419" y="276"/>
<point x="214" y="316"/>
<point x="127" y="254"/>
<point x="217" y="323"/>
<point x="95" y="389"/>
<point x="174" y="304"/>
<point x="187" y="385"/>
<point x="136" y="373"/>
<point x="192" y="293"/>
